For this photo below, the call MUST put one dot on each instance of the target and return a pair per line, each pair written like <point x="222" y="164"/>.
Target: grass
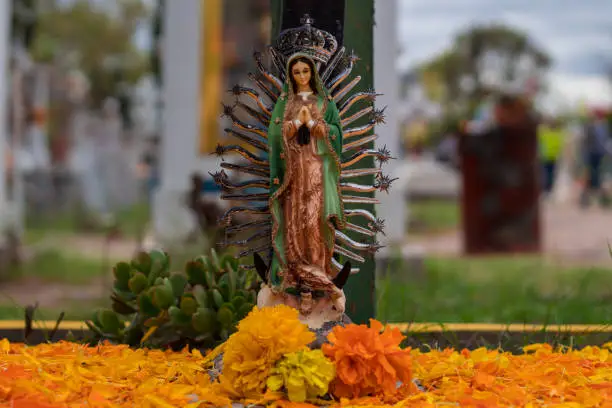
<point x="53" y="266"/>
<point x="433" y="216"/>
<point x="497" y="290"/>
<point x="77" y="311"/>
<point x="130" y="222"/>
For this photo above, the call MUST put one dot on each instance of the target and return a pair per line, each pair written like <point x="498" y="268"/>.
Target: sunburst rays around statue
<point x="300" y="154"/>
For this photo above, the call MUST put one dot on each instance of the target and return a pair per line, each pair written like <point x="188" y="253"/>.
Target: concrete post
<point x="386" y="82"/>
<point x="179" y="158"/>
<point x="393" y="205"/>
<point x="5" y="22"/>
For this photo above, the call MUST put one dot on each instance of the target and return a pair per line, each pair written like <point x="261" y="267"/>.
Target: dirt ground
<point x="55" y="294"/>
<point x="570" y="235"/>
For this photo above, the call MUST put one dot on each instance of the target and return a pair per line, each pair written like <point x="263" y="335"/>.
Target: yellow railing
<point x="404" y="327"/>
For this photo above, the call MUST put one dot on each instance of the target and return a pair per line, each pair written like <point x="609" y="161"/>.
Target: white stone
<point x="5" y="21"/>
<point x="425" y="176"/>
<point x="181" y="121"/>
<point x="387" y="82"/>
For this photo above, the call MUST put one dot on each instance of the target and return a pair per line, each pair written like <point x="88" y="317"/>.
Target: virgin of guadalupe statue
<point x="301" y="247"/>
<point x="305" y="146"/>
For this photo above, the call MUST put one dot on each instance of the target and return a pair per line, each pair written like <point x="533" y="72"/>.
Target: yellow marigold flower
<point x="263" y="337"/>
<point x="305" y="375"/>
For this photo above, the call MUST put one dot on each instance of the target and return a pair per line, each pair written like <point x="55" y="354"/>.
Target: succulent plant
<point x="153" y="307"/>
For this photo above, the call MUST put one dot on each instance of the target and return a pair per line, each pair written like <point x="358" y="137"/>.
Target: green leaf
<point x="251" y="279"/>
<point x="244" y="310"/>
<point x="137" y="283"/>
<point x="109" y="321"/>
<point x="121" y="306"/>
<point x="208" y="269"/>
<point x="214" y="257"/>
<point x="122" y="275"/>
<point x="224" y="334"/>
<point x="188" y="305"/>
<point x="204" y="320"/>
<point x="223" y="280"/>
<point x="125" y="295"/>
<point x="163" y="297"/>
<point x="95" y="320"/>
<point x="229" y="261"/>
<point x="143" y="263"/>
<point x="195" y="273"/>
<point x="94" y="328"/>
<point x="231" y="274"/>
<point x="217" y="298"/>
<point x="225" y="291"/>
<point x="146" y="306"/>
<point x="160" y="263"/>
<point x="153" y="321"/>
<point x="225" y="316"/>
<point x="199" y="293"/>
<point x="178" y="283"/>
<point x="238" y="301"/>
<point x="134" y="332"/>
<point x="229" y="305"/>
<point x="178" y="317"/>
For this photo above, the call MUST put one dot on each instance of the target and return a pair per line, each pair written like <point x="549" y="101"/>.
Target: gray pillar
<point x="393" y="206"/>
<point x="386" y="81"/>
<point x="182" y="45"/>
<point x="5" y="22"/>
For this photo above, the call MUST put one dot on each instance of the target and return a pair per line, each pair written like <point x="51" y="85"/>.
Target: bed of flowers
<point x="268" y="362"/>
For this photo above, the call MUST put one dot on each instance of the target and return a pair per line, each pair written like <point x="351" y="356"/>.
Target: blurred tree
<point x="23" y="21"/>
<point x="100" y="39"/>
<point x="157" y="32"/>
<point x="483" y="58"/>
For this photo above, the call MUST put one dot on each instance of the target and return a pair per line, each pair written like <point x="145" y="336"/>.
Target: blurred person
<point x="83" y="162"/>
<point x="596" y="142"/>
<point x="447" y="150"/>
<point x="150" y="159"/>
<point x="205" y="208"/>
<point x="563" y="191"/>
<point x="35" y="162"/>
<point x="415" y="136"/>
<point x="550" y="139"/>
<point x="119" y="178"/>
<point x="484" y="116"/>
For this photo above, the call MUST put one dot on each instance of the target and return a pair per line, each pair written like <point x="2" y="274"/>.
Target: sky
<point x="577" y="34"/>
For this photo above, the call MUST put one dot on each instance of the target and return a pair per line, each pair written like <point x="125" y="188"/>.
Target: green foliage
<point x="199" y="307"/>
<point x="495" y="289"/>
<point x="431" y="216"/>
<point x="446" y="74"/>
<point x="100" y="41"/>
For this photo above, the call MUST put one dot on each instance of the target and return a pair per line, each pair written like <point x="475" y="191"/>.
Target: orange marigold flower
<point x="369" y="360"/>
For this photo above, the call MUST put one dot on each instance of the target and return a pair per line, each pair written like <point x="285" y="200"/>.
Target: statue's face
<point x="301" y="73"/>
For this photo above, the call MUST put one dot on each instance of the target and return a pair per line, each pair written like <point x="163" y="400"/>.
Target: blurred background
<point x="502" y="130"/>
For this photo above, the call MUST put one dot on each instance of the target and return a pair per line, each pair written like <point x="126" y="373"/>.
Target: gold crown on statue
<point x="320" y="45"/>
